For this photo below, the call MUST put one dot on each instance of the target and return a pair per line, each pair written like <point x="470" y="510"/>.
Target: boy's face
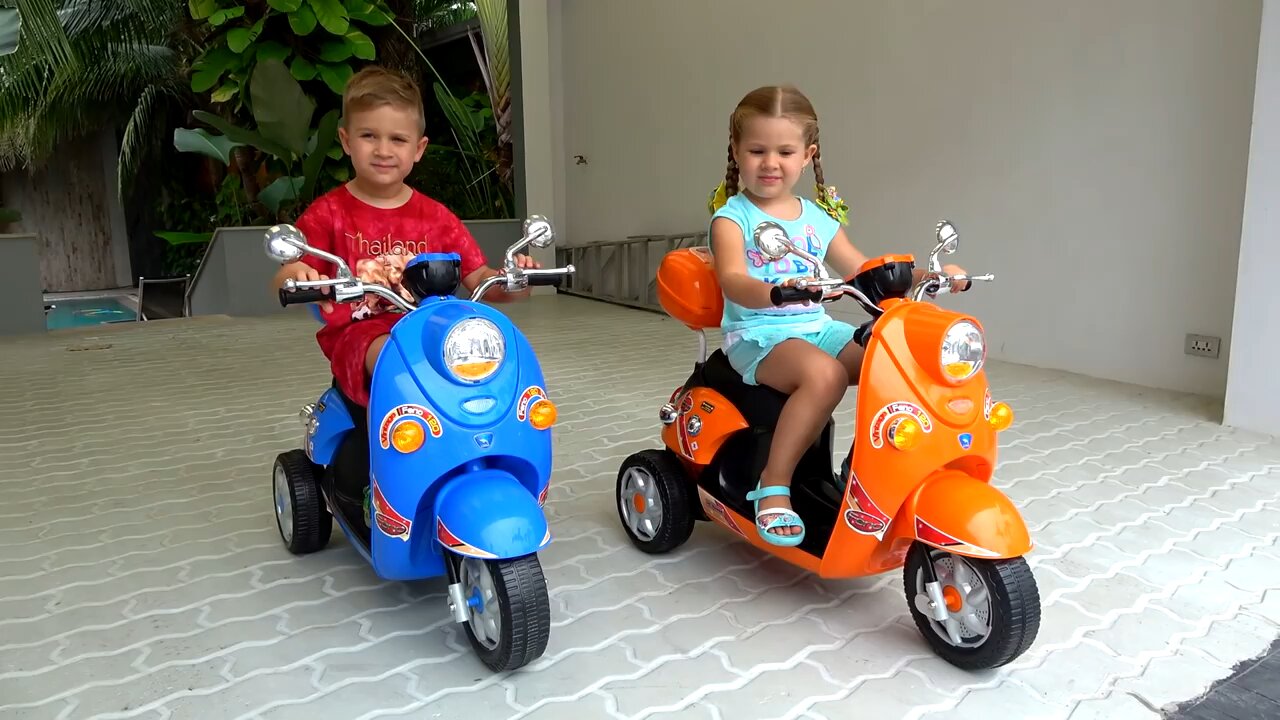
<point x="383" y="143"/>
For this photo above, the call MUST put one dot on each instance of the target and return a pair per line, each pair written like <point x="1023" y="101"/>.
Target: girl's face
<point x="771" y="154"/>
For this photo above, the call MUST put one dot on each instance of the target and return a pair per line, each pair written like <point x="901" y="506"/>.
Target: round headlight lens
<point x="963" y="351"/>
<point x="474" y="350"/>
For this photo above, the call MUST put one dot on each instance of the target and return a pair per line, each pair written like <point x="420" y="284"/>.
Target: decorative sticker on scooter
<point x="862" y="523"/>
<point x="718" y="512"/>
<point x="526" y="399"/>
<point x="966" y="440"/>
<point x="542" y="496"/>
<point x="933" y="536"/>
<point x="484" y="440"/>
<point x="892" y="410"/>
<point x="986" y="404"/>
<point x="402" y="411"/>
<point x="451" y="541"/>
<point x="686" y="403"/>
<point x="389" y="522"/>
<point x="687" y="445"/>
<point x="864" y="516"/>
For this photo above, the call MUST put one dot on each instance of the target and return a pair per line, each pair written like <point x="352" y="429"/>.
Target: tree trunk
<point x="394" y="51"/>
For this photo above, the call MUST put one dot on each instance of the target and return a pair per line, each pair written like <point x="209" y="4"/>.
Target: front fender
<point x="489" y="514"/>
<point x="954" y="512"/>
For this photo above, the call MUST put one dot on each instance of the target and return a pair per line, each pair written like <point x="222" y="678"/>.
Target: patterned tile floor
<point x="141" y="574"/>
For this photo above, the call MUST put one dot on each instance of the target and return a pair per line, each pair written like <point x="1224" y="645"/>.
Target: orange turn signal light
<point x="543" y="414"/>
<point x="1001" y="416"/>
<point x="906" y="434"/>
<point x="408" y="436"/>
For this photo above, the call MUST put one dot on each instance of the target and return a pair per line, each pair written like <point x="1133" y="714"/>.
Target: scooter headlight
<point x="474" y="350"/>
<point x="964" y="350"/>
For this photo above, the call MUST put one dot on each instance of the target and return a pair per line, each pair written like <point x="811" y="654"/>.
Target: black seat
<point x="760" y="405"/>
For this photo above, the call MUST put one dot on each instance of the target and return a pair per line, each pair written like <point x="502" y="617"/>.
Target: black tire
<point x="524" y="610"/>
<point x="672" y="489"/>
<point x="309" y="523"/>
<point x="1014" y="610"/>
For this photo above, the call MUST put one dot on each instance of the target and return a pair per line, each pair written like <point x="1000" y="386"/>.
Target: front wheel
<point x="654" y="501"/>
<point x="992" y="607"/>
<point x="508" y="610"/>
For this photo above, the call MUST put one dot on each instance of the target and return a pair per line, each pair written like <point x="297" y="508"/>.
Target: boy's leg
<point x="371" y="355"/>
<point x="815" y="382"/>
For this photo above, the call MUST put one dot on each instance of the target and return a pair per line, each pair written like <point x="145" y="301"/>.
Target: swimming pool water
<point x="85" y="313"/>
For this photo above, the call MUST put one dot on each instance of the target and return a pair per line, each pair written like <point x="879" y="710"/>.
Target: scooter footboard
<point x="959" y="514"/>
<point x="489" y="514"/>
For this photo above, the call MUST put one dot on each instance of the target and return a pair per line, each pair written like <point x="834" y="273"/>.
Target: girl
<point x="798" y="349"/>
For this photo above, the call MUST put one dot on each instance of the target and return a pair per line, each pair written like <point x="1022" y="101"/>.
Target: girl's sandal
<point x="782" y="517"/>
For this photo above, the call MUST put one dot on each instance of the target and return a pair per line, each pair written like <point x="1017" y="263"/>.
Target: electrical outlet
<point x="1203" y="345"/>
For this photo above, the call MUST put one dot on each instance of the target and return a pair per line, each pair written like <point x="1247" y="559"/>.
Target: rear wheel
<point x="654" y="502"/>
<point x="301" y="516"/>
<point x="992" y="607"/>
<point x="509" y="610"/>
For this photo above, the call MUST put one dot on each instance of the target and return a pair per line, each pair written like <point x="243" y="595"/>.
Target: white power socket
<point x="1202" y="345"/>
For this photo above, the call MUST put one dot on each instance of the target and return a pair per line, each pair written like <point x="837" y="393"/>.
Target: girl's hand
<point x="527" y="262"/>
<point x="957" y="270"/>
<point x="791" y="282"/>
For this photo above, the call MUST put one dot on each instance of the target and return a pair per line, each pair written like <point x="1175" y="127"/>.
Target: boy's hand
<point x="526" y="262"/>
<point x="300" y="272"/>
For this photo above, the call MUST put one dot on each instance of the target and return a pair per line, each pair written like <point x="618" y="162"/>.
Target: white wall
<point x="1253" y="385"/>
<point x="1092" y="153"/>
<point x="536" y="109"/>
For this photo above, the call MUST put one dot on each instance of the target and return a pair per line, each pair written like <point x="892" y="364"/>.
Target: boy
<point x="377" y="224"/>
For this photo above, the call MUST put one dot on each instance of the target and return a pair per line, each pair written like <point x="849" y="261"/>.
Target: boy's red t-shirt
<point x="377" y="243"/>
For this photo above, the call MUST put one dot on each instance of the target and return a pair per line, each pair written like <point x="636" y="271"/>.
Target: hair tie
<point x="719" y="196"/>
<point x="830" y="201"/>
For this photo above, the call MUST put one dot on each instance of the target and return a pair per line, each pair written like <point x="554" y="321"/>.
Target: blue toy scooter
<point x="447" y="470"/>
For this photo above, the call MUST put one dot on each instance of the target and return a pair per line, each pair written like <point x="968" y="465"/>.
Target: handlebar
<point x="784" y="294"/>
<point x="301" y="295"/>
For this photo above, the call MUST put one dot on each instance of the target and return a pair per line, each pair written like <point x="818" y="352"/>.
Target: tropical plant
<point x="82" y="65"/>
<point x="283" y="114"/>
<point x="319" y="39"/>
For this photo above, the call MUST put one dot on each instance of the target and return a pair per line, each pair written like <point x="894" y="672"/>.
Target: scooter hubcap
<point x="967" y="600"/>
<point x="483" y="607"/>
<point x="284" y="502"/>
<point x="641" y="504"/>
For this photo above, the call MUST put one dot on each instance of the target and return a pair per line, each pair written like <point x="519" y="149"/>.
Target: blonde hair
<point x="376" y="86"/>
<point x="774" y="101"/>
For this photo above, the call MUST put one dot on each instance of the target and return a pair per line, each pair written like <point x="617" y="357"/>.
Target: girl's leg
<point x="851" y="358"/>
<point x="815" y="382"/>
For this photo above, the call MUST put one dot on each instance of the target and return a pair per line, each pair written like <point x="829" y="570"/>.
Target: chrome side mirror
<point x="948" y="237"/>
<point x="284" y="244"/>
<point x="539" y="229"/>
<point x="771" y="240"/>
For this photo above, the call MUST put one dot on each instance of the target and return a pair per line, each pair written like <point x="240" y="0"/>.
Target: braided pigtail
<point x="727" y="187"/>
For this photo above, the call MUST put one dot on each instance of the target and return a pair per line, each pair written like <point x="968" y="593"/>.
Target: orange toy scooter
<point x="916" y="493"/>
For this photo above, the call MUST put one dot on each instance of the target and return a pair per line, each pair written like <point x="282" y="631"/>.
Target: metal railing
<point x="622" y="271"/>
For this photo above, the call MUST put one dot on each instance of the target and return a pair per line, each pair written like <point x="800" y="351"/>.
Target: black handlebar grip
<point x="783" y="294"/>
<point x="545" y="280"/>
<point x="302" y="295"/>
